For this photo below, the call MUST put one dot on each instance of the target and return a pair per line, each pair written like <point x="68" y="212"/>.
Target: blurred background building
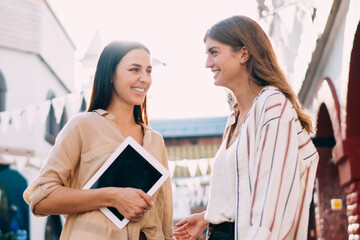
<point x="318" y="45"/>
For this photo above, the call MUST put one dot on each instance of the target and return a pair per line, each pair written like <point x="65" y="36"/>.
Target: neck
<point x="122" y="112"/>
<point x="245" y="96"/>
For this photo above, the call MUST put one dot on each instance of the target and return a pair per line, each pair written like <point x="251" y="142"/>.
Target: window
<point x="2" y="93"/>
<point x="52" y="127"/>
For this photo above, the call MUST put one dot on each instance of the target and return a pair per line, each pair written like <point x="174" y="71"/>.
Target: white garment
<point x="275" y="164"/>
<point x="223" y="186"/>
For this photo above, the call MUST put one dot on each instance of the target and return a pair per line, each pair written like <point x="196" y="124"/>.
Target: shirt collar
<point x="101" y="111"/>
<point x="231" y="119"/>
<point x="108" y="115"/>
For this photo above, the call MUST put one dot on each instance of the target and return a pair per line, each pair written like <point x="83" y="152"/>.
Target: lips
<point x="215" y="72"/>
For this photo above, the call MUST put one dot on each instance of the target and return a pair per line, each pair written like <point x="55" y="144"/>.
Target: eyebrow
<point x="138" y="65"/>
<point x="210" y="49"/>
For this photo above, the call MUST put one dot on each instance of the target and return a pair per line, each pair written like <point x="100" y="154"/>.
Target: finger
<point x="180" y="229"/>
<point x="181" y="233"/>
<point x="182" y="222"/>
<point x="135" y="219"/>
<point x="146" y="197"/>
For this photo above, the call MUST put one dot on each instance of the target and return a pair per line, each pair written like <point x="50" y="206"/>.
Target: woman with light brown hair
<point x="264" y="171"/>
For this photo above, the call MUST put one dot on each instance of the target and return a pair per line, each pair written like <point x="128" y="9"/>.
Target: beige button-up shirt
<point x="81" y="147"/>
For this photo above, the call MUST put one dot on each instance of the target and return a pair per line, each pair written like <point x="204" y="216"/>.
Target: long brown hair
<point x="263" y="67"/>
<point x="106" y="66"/>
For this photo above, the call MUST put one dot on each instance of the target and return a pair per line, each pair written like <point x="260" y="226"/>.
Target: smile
<point x="140" y="90"/>
<point x="215" y="72"/>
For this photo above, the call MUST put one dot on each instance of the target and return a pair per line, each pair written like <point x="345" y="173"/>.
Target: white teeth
<point x="215" y="72"/>
<point x="141" y="90"/>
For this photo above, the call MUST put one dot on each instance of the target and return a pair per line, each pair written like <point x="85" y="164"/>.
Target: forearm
<point x="64" y="200"/>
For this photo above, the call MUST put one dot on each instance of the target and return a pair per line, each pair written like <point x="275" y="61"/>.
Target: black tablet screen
<point x="129" y="169"/>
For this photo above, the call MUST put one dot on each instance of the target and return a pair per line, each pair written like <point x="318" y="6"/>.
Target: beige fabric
<point x="82" y="146"/>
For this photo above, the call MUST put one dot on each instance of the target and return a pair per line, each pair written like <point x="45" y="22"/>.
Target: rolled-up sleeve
<point x="59" y="168"/>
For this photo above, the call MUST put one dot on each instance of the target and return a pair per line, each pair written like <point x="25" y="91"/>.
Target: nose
<point x="209" y="62"/>
<point x="144" y="77"/>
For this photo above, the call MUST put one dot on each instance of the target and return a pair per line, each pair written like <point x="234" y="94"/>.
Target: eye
<point x="213" y="52"/>
<point x="149" y="71"/>
<point x="134" y="69"/>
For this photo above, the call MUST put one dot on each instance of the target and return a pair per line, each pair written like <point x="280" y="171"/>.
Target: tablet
<point x="129" y="166"/>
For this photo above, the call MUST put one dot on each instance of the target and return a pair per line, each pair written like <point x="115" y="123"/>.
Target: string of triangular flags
<point x="192" y="165"/>
<point x="71" y="102"/>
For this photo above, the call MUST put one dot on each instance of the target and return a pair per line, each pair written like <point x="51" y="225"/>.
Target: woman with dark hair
<point x="117" y="110"/>
<point x="264" y="171"/>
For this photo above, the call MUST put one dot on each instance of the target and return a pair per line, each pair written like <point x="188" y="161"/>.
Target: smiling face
<point x="132" y="78"/>
<point x="223" y="62"/>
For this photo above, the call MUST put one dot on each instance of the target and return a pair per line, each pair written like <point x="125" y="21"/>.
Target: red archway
<point x="327" y="179"/>
<point x="328" y="186"/>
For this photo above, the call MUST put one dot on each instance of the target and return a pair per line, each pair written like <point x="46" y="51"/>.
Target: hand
<point x="131" y="203"/>
<point x="190" y="227"/>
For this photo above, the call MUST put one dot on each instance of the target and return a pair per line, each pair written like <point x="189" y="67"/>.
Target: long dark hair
<point x="263" y="67"/>
<point x="105" y="69"/>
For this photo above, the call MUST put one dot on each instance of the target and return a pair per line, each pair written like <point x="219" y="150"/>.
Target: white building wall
<point x="27" y="78"/>
<point x="31" y="26"/>
<point x="36" y="56"/>
<point x="20" y="24"/>
<point x="56" y="48"/>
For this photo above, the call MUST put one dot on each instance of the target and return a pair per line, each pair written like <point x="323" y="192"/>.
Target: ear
<point x="244" y="55"/>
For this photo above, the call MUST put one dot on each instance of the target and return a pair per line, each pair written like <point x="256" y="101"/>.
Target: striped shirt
<point x="275" y="167"/>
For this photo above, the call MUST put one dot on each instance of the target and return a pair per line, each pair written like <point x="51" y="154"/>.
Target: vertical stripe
<point x="272" y="163"/>
<point x="302" y="202"/>
<point x="238" y="188"/>
<point x="257" y="174"/>
<point x="248" y="158"/>
<point x="293" y="222"/>
<point x="248" y="143"/>
<point x="282" y="111"/>
<point x="290" y="191"/>
<point x="282" y="175"/>
<point x="255" y="117"/>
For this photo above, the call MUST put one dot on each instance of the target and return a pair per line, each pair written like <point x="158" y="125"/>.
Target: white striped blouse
<point x="275" y="162"/>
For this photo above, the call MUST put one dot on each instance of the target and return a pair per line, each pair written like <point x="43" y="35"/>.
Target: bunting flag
<point x="44" y="109"/>
<point x="203" y="165"/>
<point x="5" y="119"/>
<point x="71" y="103"/>
<point x="16" y="117"/>
<point x="192" y="167"/>
<point x="30" y="115"/>
<point x="172" y="165"/>
<point x="58" y="105"/>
